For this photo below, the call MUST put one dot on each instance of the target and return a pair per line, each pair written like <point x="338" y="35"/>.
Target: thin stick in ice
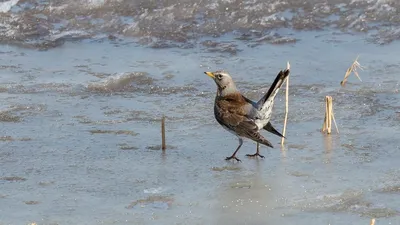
<point x="286" y="105"/>
<point x="163" y="145"/>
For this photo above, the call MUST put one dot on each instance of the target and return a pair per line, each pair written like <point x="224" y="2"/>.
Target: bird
<point x="242" y="116"/>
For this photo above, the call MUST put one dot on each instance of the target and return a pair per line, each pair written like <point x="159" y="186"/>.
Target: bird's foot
<point x="233" y="157"/>
<point x="255" y="155"/>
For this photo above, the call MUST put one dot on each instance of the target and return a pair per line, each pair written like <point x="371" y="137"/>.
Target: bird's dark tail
<point x="271" y="129"/>
<point x="280" y="78"/>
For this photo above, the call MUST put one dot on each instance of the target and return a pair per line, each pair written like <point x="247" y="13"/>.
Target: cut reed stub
<point x="372" y="221"/>
<point x="163" y="145"/>
<point x="353" y="68"/>
<point x="329" y="116"/>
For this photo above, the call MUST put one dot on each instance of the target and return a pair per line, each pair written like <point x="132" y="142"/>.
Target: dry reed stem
<point x="328" y="114"/>
<point x="327" y="121"/>
<point x="163" y="146"/>
<point x="327" y="126"/>
<point x="286" y="105"/>
<point x="353" y="68"/>
<point x="372" y="221"/>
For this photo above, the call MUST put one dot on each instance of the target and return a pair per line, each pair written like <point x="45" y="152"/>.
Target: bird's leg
<point x="233" y="156"/>
<point x="257" y="153"/>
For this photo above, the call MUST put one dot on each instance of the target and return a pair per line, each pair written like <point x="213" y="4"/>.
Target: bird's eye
<point x="219" y="76"/>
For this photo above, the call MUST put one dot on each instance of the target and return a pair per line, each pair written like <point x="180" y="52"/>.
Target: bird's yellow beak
<point x="210" y="74"/>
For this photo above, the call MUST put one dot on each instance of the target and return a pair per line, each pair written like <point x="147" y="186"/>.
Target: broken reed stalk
<point x="329" y="116"/>
<point x="286" y="105"/>
<point x="353" y="68"/>
<point x="163" y="146"/>
<point x="372" y="221"/>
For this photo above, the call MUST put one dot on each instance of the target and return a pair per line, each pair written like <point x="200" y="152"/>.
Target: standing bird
<point x="241" y="116"/>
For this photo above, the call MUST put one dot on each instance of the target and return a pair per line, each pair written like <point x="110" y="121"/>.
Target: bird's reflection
<point x="251" y="195"/>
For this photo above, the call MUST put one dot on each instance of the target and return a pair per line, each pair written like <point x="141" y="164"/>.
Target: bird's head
<point x="224" y="82"/>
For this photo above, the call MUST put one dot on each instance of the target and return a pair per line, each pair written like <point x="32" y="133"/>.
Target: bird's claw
<point x="233" y="157"/>
<point x="255" y="155"/>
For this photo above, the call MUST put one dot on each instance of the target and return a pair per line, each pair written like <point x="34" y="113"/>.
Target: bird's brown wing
<point x="230" y="111"/>
<point x="268" y="127"/>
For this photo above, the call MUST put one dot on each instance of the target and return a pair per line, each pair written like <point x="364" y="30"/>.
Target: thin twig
<point x="163" y="145"/>
<point x="334" y="121"/>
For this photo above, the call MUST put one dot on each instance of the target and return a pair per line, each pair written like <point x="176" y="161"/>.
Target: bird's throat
<point x="226" y="90"/>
